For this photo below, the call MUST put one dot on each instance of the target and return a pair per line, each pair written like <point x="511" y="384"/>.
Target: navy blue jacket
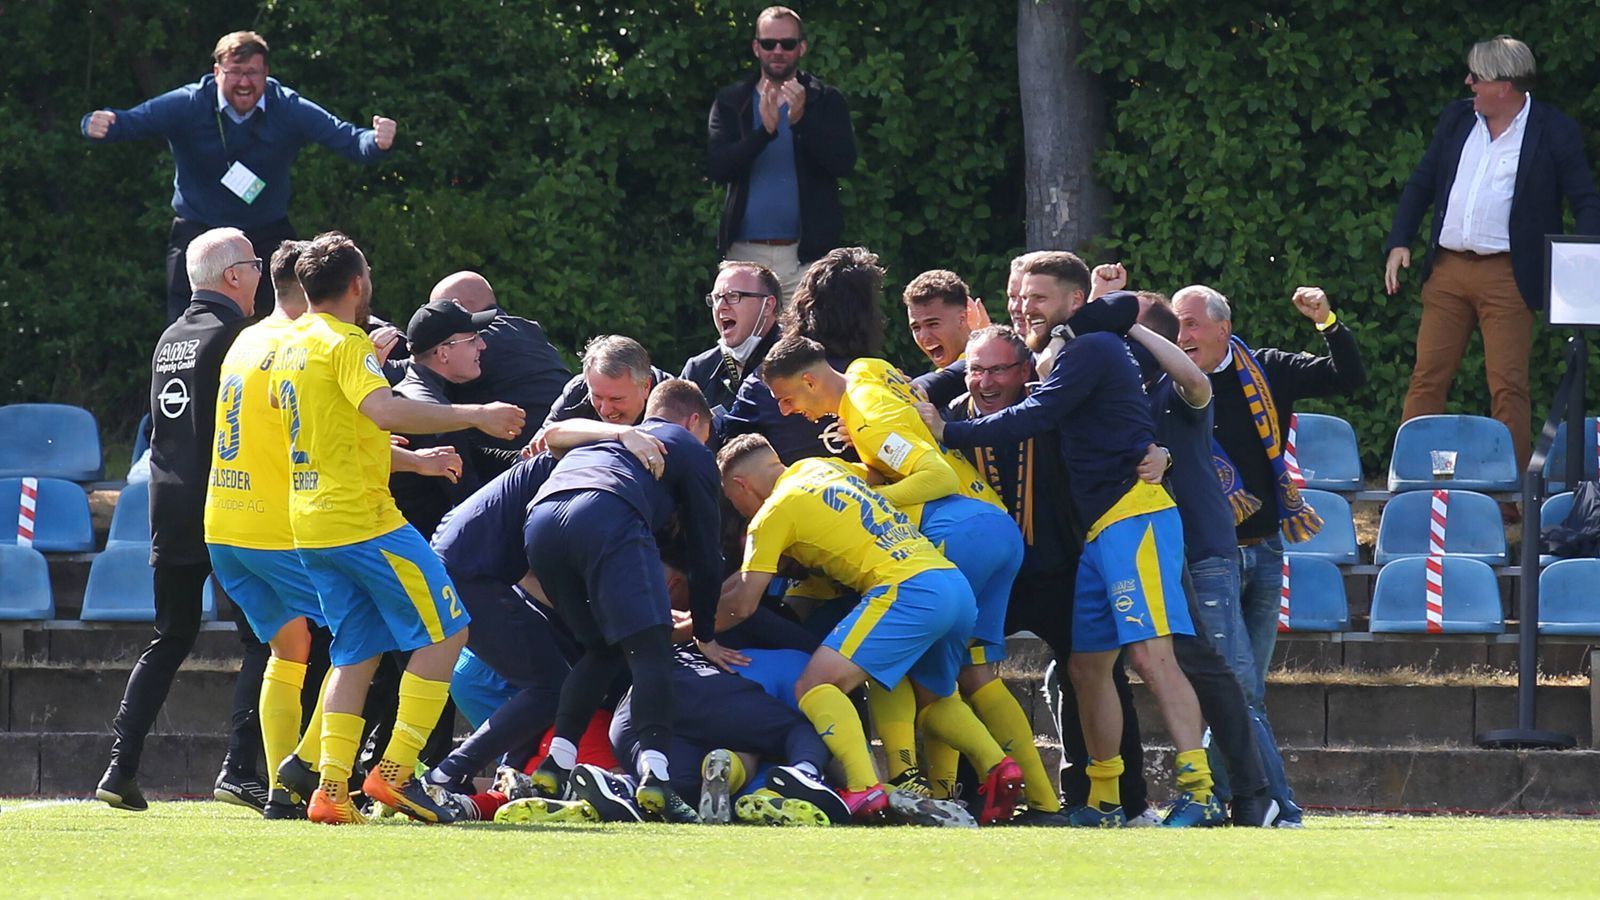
<point x="573" y="402"/>
<point x="482" y="536"/>
<point x="1552" y="165"/>
<point x="689" y="486"/>
<point x="793" y="436"/>
<point x="718" y="376"/>
<point x="266" y="143"/>
<point x="520" y="367"/>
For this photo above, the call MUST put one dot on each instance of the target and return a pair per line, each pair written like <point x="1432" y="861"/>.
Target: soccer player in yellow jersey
<point x="955" y="507"/>
<point x="382" y="588"/>
<point x="913" y="621"/>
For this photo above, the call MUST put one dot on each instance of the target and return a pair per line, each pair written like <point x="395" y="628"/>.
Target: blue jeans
<point x="1260" y="582"/>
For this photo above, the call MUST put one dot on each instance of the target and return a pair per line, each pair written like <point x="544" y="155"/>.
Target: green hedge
<point x="558" y="149"/>
<point x="1261" y="146"/>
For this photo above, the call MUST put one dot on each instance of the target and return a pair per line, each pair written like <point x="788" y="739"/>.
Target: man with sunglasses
<point x="744" y="303"/>
<point x="185" y="372"/>
<point x="1495" y="173"/>
<point x="780" y="140"/>
<point x="234" y="135"/>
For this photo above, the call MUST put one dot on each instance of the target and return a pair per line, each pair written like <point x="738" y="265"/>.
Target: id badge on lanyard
<point x="239" y="180"/>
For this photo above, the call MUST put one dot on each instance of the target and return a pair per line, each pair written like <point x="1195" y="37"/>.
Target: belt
<point x="1469" y="254"/>
<point x="772" y="242"/>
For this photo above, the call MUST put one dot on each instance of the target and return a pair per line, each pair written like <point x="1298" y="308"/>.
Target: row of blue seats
<point x="1330" y="459"/>
<point x="1473" y="528"/>
<point x="121" y="586"/>
<point x="1568" y="604"/>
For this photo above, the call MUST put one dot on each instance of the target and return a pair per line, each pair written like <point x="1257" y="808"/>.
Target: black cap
<point x="435" y="322"/>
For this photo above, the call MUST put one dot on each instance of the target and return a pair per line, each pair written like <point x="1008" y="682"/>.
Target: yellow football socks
<point x="950" y="720"/>
<point x="341" y="737"/>
<point x="1194" y="774"/>
<point x="310" y="749"/>
<point x="1105" y="793"/>
<point x="280" y="709"/>
<point x="940" y="762"/>
<point x="421" y="702"/>
<point x="737" y="776"/>
<point x="894" y="717"/>
<point x="997" y="708"/>
<point x="836" y="722"/>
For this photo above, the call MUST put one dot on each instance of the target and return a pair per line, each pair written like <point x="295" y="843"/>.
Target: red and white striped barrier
<point x="1283" y="598"/>
<point x="1438" y="516"/>
<point x="1292" y="464"/>
<point x="27" y="510"/>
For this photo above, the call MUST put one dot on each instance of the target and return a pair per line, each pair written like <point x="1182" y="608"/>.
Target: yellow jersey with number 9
<point x="338" y="458"/>
<point x="823" y="516"/>
<point x="247" y="497"/>
<point x="878" y="409"/>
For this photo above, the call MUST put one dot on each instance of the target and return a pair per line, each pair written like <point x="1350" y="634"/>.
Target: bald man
<point x="519" y="364"/>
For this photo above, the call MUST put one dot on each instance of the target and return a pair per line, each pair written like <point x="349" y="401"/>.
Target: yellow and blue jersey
<point x="825" y="517"/>
<point x="338" y="458"/>
<point x="247" y="495"/>
<point x="878" y="410"/>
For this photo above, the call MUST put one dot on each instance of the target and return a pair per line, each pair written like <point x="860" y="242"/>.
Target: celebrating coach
<point x="234" y="134"/>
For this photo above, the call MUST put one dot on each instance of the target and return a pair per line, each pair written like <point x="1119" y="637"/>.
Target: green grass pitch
<point x="206" y="849"/>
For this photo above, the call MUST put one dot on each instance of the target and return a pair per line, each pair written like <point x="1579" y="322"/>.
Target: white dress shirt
<point x="1477" y="216"/>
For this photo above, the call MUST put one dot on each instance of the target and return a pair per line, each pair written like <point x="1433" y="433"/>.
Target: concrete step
<point x="50" y="698"/>
<point x="1436" y="655"/>
<point x="69" y="643"/>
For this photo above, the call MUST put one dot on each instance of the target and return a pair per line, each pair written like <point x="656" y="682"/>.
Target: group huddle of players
<point x="614" y="665"/>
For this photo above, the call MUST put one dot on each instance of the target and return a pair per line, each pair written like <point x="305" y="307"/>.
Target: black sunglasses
<point x="775" y="43"/>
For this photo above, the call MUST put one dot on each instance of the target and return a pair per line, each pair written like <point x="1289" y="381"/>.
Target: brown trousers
<point x="1466" y="292"/>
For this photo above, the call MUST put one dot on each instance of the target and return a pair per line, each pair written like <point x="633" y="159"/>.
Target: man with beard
<point x="780" y="140"/>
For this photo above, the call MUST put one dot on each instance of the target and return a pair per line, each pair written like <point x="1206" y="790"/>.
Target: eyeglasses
<point x="980" y="371"/>
<point x="770" y="44"/>
<point x="732" y="298"/>
<point x="464" y="340"/>
<point x="251" y="74"/>
<point x="252" y="263"/>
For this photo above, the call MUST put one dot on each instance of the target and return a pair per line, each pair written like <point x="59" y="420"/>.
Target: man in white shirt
<point x="1495" y="173"/>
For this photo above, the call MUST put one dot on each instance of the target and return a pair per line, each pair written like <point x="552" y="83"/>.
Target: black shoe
<point x="660" y="802"/>
<point x="610" y="795"/>
<point x="1254" y="811"/>
<point x="297" y="775"/>
<point x="120" y="791"/>
<point x="1038" y="818"/>
<point x="795" y="784"/>
<point x="241" y="790"/>
<point x="550" y="781"/>
<point x="280" y="807"/>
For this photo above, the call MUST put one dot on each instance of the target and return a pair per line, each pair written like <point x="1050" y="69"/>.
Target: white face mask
<point x="747" y="346"/>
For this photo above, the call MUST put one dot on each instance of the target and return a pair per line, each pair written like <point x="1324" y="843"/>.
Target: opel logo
<point x="174" y="398"/>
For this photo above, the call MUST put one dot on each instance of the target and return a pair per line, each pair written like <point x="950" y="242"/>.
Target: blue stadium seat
<point x="1555" y="465"/>
<point x="49" y="440"/>
<point x="1473" y="528"/>
<point x="1485" y="460"/>
<point x="1325" y="447"/>
<point x="121" y="586"/>
<point x="1336" y="542"/>
<point x="1553" y="512"/>
<point x="61" y="516"/>
<point x="131" y="519"/>
<point x="1316" y="595"/>
<point x="1568" y="601"/>
<point x="1471" y="598"/>
<point x="24" y="585"/>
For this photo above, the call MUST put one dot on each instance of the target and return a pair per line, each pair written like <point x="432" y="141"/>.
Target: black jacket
<point x="424" y="499"/>
<point x="1552" y="166"/>
<point x="520" y="367"/>
<point x="824" y="152"/>
<point x="183" y="411"/>
<point x="718" y="375"/>
<point x="574" y="403"/>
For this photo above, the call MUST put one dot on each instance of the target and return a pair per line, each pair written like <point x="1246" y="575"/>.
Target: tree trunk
<point x="1063" y="122"/>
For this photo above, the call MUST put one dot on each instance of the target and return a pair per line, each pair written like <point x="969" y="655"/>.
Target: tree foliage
<point x="1260" y="146"/>
<point x="555" y="147"/>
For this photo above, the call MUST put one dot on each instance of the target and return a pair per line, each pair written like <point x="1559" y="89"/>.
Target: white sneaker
<point x="1147" y="819"/>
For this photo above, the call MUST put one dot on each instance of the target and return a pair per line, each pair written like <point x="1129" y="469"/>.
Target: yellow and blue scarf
<point x="1296" y="518"/>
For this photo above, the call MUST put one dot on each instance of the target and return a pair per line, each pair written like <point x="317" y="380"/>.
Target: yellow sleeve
<point x="930" y="479"/>
<point x="769" y="534"/>
<point x="357" y="369"/>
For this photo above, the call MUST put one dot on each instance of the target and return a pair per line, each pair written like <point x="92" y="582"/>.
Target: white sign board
<point x="1574" y="281"/>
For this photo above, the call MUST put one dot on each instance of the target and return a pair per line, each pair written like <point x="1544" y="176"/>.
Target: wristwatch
<point x="1062" y="331"/>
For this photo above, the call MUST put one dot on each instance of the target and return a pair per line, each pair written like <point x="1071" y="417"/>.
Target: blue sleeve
<point x="944" y="385"/>
<point x="697" y="488"/>
<point x="1071" y="382"/>
<point x="318" y="126"/>
<point x="157" y="117"/>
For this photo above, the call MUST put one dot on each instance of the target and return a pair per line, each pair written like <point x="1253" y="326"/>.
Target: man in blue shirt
<point x="780" y="140"/>
<point x="1129" y="589"/>
<point x="234" y="135"/>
